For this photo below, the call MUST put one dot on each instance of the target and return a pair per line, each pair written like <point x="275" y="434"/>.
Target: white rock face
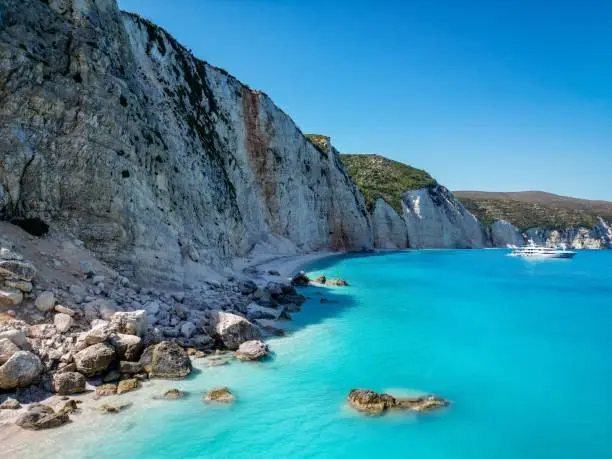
<point x="435" y="219"/>
<point x="389" y="229"/>
<point x="599" y="237"/>
<point x="159" y="162"/>
<point x="504" y="233"/>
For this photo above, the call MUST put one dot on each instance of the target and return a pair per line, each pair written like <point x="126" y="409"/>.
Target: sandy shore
<point x="16" y="442"/>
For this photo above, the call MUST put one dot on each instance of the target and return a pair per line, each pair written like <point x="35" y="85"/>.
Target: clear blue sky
<point x="501" y="95"/>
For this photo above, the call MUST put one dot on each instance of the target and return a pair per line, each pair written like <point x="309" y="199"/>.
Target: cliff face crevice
<point x="158" y="161"/>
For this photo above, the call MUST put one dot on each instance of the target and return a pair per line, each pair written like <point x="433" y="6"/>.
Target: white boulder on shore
<point x="233" y="330"/>
<point x="21" y="370"/>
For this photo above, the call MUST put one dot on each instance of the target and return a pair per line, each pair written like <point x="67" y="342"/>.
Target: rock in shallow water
<point x="219" y="395"/>
<point x="370" y="402"/>
<point x="40" y="417"/>
<point x="172" y="394"/>
<point x="252" y="350"/>
<point x="127" y="385"/>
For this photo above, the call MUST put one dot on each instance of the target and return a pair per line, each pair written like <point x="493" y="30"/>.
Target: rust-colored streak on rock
<point x="257" y="146"/>
<point x="339" y="239"/>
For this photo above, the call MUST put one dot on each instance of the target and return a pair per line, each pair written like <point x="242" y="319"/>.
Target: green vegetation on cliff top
<point x="531" y="209"/>
<point x="379" y="177"/>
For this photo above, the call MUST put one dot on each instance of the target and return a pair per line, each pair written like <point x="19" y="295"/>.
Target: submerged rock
<point x="40" y="417"/>
<point x="113" y="408"/>
<point x="370" y="402"/>
<point x="337" y="282"/>
<point x="219" y="395"/>
<point x="172" y="394"/>
<point x="252" y="350"/>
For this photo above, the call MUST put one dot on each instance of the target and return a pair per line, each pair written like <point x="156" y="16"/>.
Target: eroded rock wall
<point x="160" y="162"/>
<point x="436" y="219"/>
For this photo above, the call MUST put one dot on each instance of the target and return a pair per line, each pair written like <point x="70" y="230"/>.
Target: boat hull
<point x="566" y="255"/>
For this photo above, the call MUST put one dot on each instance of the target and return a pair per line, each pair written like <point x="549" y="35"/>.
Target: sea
<point x="522" y="349"/>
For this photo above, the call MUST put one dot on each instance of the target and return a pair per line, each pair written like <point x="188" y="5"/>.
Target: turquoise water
<point x="522" y="349"/>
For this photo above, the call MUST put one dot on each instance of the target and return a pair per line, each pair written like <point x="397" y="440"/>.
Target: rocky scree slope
<point x="544" y="217"/>
<point x="158" y="161"/>
<point x="410" y="209"/>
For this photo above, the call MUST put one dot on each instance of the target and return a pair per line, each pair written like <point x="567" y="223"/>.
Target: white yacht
<point x="531" y="250"/>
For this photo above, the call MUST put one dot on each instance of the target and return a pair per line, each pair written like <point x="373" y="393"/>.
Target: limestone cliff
<point x="158" y="161"/>
<point x="390" y="231"/>
<point x="436" y="219"/>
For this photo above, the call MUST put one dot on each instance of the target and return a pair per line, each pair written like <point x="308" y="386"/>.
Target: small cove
<point x="521" y="349"/>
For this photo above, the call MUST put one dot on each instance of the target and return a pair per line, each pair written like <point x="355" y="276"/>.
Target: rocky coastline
<point x="73" y="329"/>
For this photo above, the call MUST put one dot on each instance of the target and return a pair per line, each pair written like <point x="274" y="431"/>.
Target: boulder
<point x="105" y="390"/>
<point x="233" y="330"/>
<point x="300" y="280"/>
<point x="247" y="287"/>
<point x="128" y="347"/>
<point x="22" y="369"/>
<point x="40" y="417"/>
<point x="24" y="286"/>
<point x="169" y="361"/>
<point x="10" y="296"/>
<point x="45" y="301"/>
<point x="131" y="323"/>
<point x="17" y="270"/>
<point x="252" y="350"/>
<point x="255" y="311"/>
<point x="18" y="337"/>
<point x="370" y="402"/>
<point x="7" y="349"/>
<point x="10" y="404"/>
<point x="188" y="329"/>
<point x="127" y="385"/>
<point x="219" y="395"/>
<point x="68" y="383"/>
<point x="64" y="310"/>
<point x="99" y="309"/>
<point x="95" y="359"/>
<point x="62" y="322"/>
<point x="129" y="368"/>
<point x="111" y="376"/>
<point x="99" y="333"/>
